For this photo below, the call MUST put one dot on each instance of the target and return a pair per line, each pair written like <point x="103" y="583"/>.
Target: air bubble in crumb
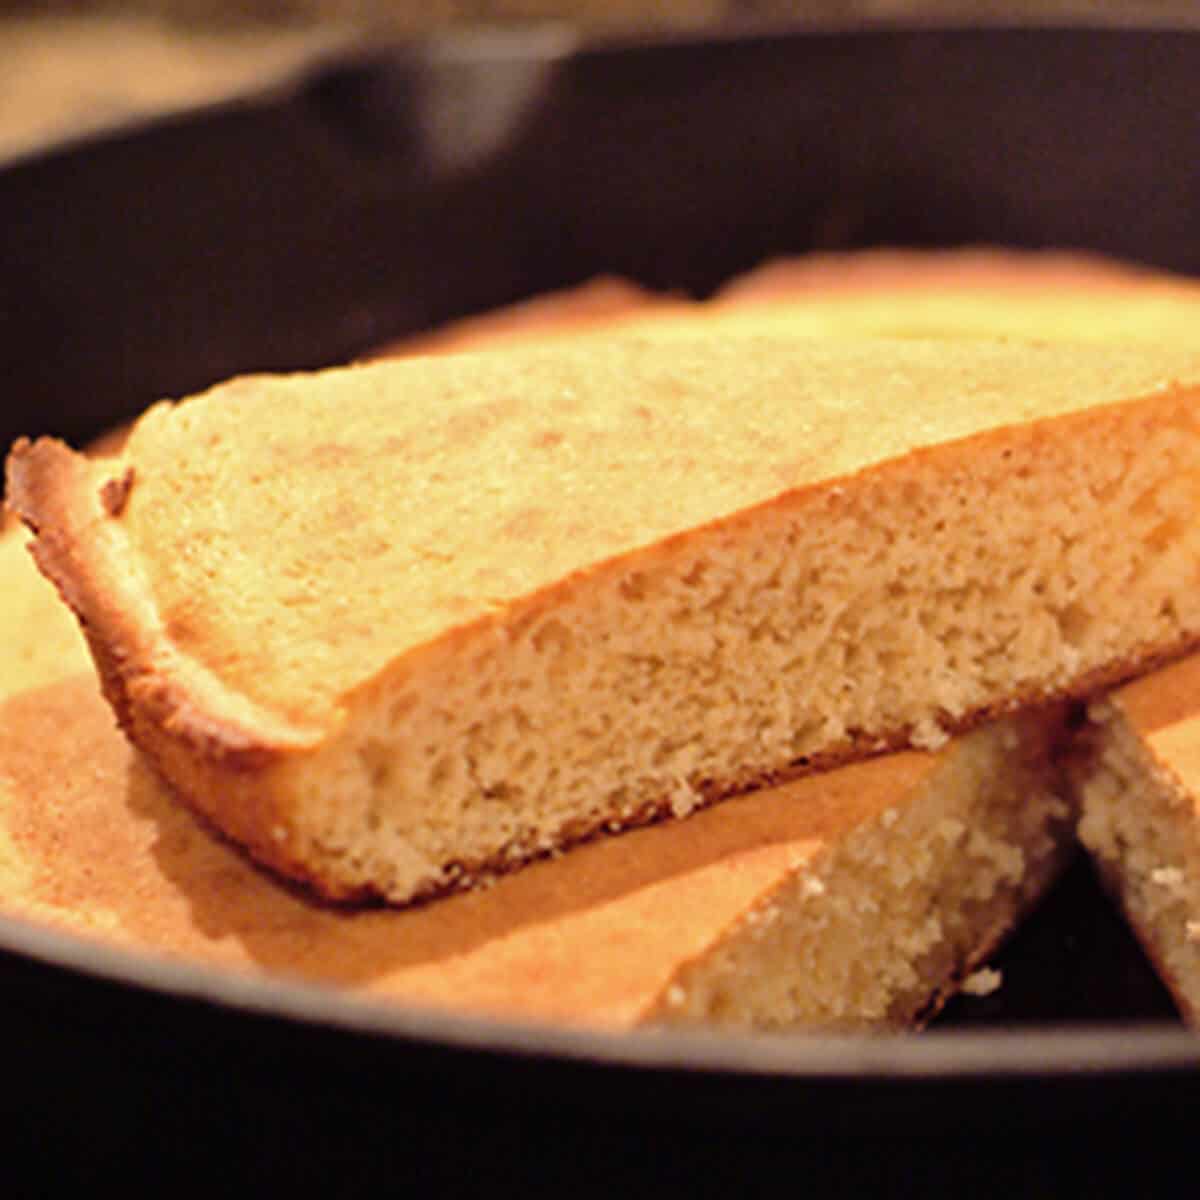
<point x="683" y="800"/>
<point x="1170" y="878"/>
<point x="928" y="735"/>
<point x="982" y="982"/>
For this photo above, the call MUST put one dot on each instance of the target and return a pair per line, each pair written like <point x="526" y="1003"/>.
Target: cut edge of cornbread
<point x="1136" y="771"/>
<point x="890" y="918"/>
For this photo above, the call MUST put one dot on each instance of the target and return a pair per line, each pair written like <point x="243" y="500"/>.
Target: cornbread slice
<point x="853" y="899"/>
<point x="395" y="626"/>
<point x="1138" y="783"/>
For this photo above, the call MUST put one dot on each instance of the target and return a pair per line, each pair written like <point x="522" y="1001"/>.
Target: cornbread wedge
<point x="854" y="899"/>
<point x="394" y="627"/>
<point x="1137" y="777"/>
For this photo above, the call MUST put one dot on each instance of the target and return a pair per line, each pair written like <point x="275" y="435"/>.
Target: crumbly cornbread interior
<point x="975" y="292"/>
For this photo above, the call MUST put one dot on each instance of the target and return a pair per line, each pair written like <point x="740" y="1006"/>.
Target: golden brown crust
<point x="69" y="505"/>
<point x="62" y="498"/>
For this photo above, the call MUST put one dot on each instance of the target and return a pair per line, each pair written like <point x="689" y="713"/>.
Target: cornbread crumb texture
<point x="983" y="982"/>
<point x="894" y="916"/>
<point x="1140" y="794"/>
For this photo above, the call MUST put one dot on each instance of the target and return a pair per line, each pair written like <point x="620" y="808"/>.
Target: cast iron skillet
<point x="381" y="193"/>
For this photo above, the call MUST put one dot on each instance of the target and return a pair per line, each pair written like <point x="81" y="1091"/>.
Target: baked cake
<point x="396" y="626"/>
